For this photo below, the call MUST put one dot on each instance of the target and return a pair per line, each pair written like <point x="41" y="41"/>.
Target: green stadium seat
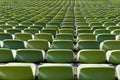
<point x="118" y="72"/>
<point x="53" y="27"/>
<point x="5" y="26"/>
<point x="86" y="36"/>
<point x="64" y="36"/>
<point x="13" y="31"/>
<point x="102" y="37"/>
<point x="95" y="72"/>
<point x="111" y="28"/>
<point x="113" y="56"/>
<point x="30" y="55"/>
<point x="27" y="23"/>
<point x="60" y="56"/>
<point x="93" y="28"/>
<point x="110" y="45"/>
<point x="23" y="36"/>
<point x="55" y="72"/>
<point x="2" y="30"/>
<point x="38" y="44"/>
<point x="39" y="27"/>
<point x="99" y="31"/>
<point x="12" y="23"/>
<point x="31" y="31"/>
<point x="91" y="56"/>
<point x="67" y="31"/>
<point x="46" y="36"/>
<point x="13" y="44"/>
<point x="21" y="27"/>
<point x="6" y="55"/>
<point x="62" y="44"/>
<point x="17" y="71"/>
<point x="4" y="36"/>
<point x="87" y="44"/>
<point x="84" y="31"/>
<point x="115" y="32"/>
<point x="49" y="30"/>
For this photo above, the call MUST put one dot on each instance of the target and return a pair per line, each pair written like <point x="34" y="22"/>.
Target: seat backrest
<point x="95" y="72"/>
<point x="4" y="36"/>
<point x="31" y="31"/>
<point x="60" y="55"/>
<point x="46" y="36"/>
<point x="38" y="44"/>
<point x="6" y="55"/>
<point x="87" y="44"/>
<point x="55" y="72"/>
<point x="113" y="56"/>
<point x="64" y="36"/>
<point x="62" y="44"/>
<point x="91" y="56"/>
<point x="110" y="45"/>
<point x="16" y="71"/>
<point x="13" y="44"/>
<point x="13" y="31"/>
<point x="30" y="55"/>
<point x="86" y="36"/>
<point x="23" y="36"/>
<point x="102" y="37"/>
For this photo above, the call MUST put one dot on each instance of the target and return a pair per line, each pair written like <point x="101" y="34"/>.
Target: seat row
<point x="60" y="44"/>
<point x="29" y="71"/>
<point x="60" y="36"/>
<point x="59" y="56"/>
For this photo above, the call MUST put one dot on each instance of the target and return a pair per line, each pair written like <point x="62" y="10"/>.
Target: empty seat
<point x="39" y="27"/>
<point x="113" y="56"/>
<point x="62" y="44"/>
<point x="60" y="55"/>
<point x="87" y="44"/>
<point x="49" y="30"/>
<point x="111" y="28"/>
<point x="106" y="24"/>
<point x="6" y="55"/>
<point x="99" y="31"/>
<point x="80" y="27"/>
<point x="55" y="72"/>
<point x="102" y="37"/>
<point x="31" y="31"/>
<point x="4" y="36"/>
<point x="115" y="32"/>
<point x="64" y="36"/>
<point x="67" y="31"/>
<point x="30" y="55"/>
<point x="86" y="36"/>
<point x="91" y="56"/>
<point x="38" y="44"/>
<point x="84" y="31"/>
<point x="97" y="27"/>
<point x="1" y="30"/>
<point x="13" y="23"/>
<point x="46" y="36"/>
<point x="13" y="44"/>
<point x="5" y="26"/>
<point x="95" y="72"/>
<point x="23" y="36"/>
<point x="27" y="23"/>
<point x="118" y="72"/>
<point x="13" y="31"/>
<point x="21" y="27"/>
<point x="110" y="45"/>
<point x="53" y="27"/>
<point x="17" y="71"/>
